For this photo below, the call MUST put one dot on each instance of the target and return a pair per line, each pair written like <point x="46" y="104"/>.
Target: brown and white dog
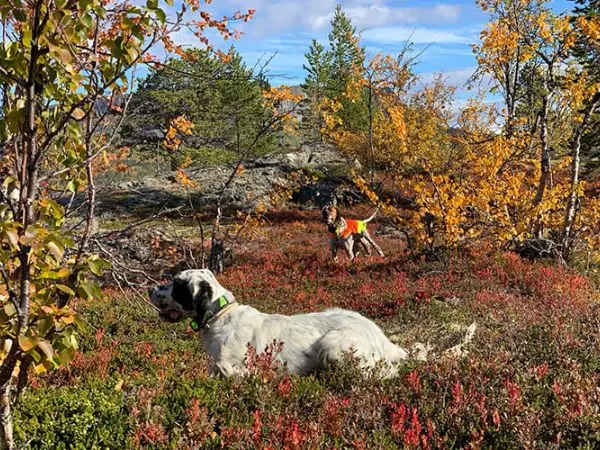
<point x="310" y="341"/>
<point x="346" y="233"/>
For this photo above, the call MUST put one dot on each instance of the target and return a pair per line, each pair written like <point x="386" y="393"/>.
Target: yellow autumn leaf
<point x="27" y="343"/>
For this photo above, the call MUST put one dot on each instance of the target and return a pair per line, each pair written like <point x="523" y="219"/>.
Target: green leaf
<point x="151" y="4"/>
<point x="48" y="275"/>
<point x="88" y="290"/>
<point x="101" y="12"/>
<point x="15" y="117"/>
<point x="116" y="50"/>
<point x="69" y="339"/>
<point x="44" y="325"/>
<point x="39" y="369"/>
<point x="50" y="207"/>
<point x="65" y="289"/>
<point x="79" y="322"/>
<point x="160" y="15"/>
<point x="2" y="129"/>
<point x="8" y="181"/>
<point x="26" y="37"/>
<point x="132" y="53"/>
<point x="20" y="15"/>
<point x="85" y="4"/>
<point x="87" y="20"/>
<point x="45" y="366"/>
<point x="67" y="354"/>
<point x="97" y="265"/>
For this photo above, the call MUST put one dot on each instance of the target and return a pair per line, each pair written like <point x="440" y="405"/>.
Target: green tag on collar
<point x="222" y="301"/>
<point x="194" y="325"/>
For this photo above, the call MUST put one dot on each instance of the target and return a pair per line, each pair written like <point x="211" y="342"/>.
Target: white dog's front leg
<point x="213" y="370"/>
<point x="227" y="369"/>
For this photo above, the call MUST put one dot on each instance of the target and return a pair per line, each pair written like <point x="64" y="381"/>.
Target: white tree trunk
<point x="6" y="424"/>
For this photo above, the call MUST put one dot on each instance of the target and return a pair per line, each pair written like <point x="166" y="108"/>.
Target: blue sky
<point x="285" y="28"/>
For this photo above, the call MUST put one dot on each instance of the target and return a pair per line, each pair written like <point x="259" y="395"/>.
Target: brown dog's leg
<point x="370" y="240"/>
<point x="361" y="244"/>
<point x="348" y="246"/>
<point x="333" y="246"/>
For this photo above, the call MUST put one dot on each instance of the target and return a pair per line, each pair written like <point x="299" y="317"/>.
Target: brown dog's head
<point x="330" y="215"/>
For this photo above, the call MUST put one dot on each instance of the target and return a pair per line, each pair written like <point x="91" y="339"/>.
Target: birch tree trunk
<point x="575" y="167"/>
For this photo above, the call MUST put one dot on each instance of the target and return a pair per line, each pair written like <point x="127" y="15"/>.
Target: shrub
<point x="91" y="417"/>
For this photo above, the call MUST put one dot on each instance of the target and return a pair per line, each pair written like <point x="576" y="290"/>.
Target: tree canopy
<point x="220" y="96"/>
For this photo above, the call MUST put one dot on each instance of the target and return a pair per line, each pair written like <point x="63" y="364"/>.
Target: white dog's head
<point x="193" y="294"/>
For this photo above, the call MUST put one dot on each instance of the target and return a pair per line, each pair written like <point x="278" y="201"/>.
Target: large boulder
<point x="320" y="156"/>
<point x="255" y="181"/>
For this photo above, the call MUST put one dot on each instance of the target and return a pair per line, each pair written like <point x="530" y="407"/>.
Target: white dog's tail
<point x="421" y="351"/>
<point x="459" y="351"/>
<point x="372" y="216"/>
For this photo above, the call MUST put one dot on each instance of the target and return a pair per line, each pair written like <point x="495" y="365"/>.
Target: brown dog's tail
<point x="372" y="216"/>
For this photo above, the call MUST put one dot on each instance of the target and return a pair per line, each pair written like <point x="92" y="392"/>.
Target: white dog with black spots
<point x="310" y="341"/>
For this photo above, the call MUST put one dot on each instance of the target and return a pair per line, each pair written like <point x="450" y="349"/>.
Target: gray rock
<point x="259" y="178"/>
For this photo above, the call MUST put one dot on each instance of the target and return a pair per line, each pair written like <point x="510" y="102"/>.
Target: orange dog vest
<point x="352" y="227"/>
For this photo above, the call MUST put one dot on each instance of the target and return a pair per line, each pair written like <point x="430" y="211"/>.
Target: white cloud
<point x="286" y="27"/>
<point x="275" y="16"/>
<point x="366" y="17"/>
<point x="457" y="77"/>
<point x="418" y="35"/>
<point x="446" y="53"/>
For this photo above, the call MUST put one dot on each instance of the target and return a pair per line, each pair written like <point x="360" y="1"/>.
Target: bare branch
<point x="140" y="222"/>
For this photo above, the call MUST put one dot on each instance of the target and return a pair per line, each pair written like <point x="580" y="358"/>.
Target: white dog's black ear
<point x="182" y="294"/>
<point x="204" y="305"/>
<point x="203" y="297"/>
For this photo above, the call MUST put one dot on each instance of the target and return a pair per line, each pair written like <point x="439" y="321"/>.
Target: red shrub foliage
<point x="531" y="378"/>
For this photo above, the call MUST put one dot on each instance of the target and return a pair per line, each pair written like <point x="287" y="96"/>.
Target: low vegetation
<point x="489" y="213"/>
<point x="530" y="377"/>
